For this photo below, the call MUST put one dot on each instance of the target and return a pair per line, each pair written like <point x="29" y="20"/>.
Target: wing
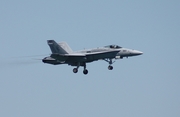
<point x="69" y="57"/>
<point x="84" y="57"/>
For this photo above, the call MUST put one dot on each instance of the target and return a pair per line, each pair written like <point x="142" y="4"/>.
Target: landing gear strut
<point x="75" y="70"/>
<point x="85" y="71"/>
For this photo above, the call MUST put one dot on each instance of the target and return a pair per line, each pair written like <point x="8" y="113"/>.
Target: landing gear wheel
<point x="85" y="71"/>
<point x="110" y="67"/>
<point x="75" y="70"/>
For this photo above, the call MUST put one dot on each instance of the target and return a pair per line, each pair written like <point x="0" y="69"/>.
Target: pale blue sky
<point x="142" y="86"/>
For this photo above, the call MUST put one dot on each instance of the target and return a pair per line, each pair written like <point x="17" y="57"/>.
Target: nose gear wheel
<point x="110" y="67"/>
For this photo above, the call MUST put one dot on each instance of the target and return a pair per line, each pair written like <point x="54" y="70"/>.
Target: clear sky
<point x="142" y="86"/>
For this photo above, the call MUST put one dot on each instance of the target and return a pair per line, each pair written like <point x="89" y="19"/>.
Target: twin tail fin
<point x="59" y="48"/>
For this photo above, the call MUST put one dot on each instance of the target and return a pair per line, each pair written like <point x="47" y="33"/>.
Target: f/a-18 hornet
<point x="63" y="54"/>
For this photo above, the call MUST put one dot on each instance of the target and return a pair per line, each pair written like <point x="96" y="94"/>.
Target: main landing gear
<point x="75" y="70"/>
<point x="85" y="71"/>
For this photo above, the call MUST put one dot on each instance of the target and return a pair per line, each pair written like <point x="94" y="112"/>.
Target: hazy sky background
<point x="142" y="86"/>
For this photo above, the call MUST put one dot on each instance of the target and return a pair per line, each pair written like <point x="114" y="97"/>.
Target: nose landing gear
<point x="110" y="67"/>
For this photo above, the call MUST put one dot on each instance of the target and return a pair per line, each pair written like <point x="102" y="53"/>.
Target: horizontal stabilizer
<point x="69" y="57"/>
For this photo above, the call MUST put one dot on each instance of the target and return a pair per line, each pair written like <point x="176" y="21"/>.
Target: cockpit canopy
<point x="113" y="46"/>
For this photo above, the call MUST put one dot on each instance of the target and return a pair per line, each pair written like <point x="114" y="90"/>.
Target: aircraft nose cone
<point x="139" y="52"/>
<point x="136" y="52"/>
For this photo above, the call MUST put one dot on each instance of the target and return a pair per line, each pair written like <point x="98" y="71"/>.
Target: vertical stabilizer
<point x="66" y="47"/>
<point x="61" y="48"/>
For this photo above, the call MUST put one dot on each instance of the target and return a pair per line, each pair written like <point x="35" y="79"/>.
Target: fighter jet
<point x="63" y="54"/>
